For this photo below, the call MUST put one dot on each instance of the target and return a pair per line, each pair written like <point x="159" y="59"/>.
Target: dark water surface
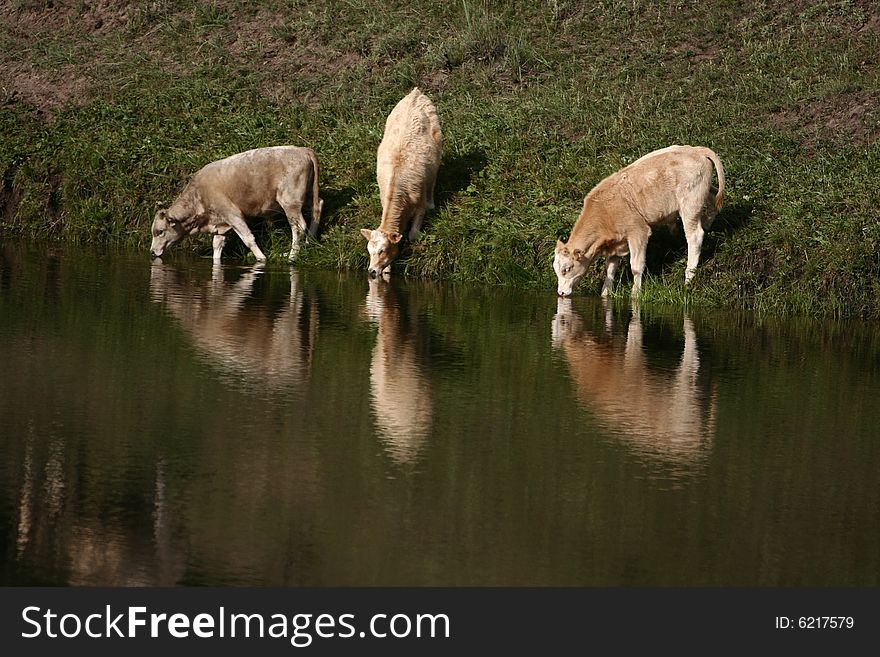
<point x="177" y="424"/>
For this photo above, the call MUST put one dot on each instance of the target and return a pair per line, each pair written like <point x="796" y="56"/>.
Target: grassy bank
<point x="107" y="108"/>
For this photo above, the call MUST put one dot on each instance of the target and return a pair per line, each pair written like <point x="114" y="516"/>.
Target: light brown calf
<point x="620" y="212"/>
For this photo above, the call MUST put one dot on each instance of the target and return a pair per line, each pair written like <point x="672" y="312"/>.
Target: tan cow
<point x="406" y="170"/>
<point x="400" y="382"/>
<point x="620" y="211"/>
<point x="662" y="414"/>
<point x="251" y="184"/>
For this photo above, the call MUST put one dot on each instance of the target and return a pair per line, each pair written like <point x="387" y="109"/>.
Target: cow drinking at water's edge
<point x="251" y="184"/>
<point x="406" y="170"/>
<point x="620" y="212"/>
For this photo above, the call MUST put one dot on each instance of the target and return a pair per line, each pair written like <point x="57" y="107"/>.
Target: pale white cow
<point x="406" y="170"/>
<point x="620" y="212"/>
<point x="221" y="195"/>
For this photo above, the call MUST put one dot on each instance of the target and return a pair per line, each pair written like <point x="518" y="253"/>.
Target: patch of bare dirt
<point x="327" y="64"/>
<point x="697" y="52"/>
<point x="281" y="55"/>
<point x="44" y="91"/>
<point x="284" y="75"/>
<point x="849" y="118"/>
<point x="872" y="24"/>
<point x="435" y="80"/>
<point x="28" y="22"/>
<point x="36" y="16"/>
<point x="257" y="33"/>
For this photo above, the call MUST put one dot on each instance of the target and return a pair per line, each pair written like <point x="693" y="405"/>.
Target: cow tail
<point x="317" y="203"/>
<point x="719" y="196"/>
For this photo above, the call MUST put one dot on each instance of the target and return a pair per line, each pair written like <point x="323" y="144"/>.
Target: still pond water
<point x="180" y="424"/>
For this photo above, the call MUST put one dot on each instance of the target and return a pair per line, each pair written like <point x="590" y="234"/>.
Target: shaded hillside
<point x="106" y="109"/>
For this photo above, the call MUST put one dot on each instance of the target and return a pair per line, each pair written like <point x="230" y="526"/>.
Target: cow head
<point x="570" y="266"/>
<point x="383" y="248"/>
<point x="166" y="231"/>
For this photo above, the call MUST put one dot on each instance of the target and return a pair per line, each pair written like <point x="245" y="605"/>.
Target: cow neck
<point x="192" y="211"/>
<point x="392" y="210"/>
<point x="391" y="225"/>
<point x="585" y="233"/>
<point x="191" y="224"/>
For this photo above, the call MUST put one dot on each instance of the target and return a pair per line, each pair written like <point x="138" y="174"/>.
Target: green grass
<point x="538" y="102"/>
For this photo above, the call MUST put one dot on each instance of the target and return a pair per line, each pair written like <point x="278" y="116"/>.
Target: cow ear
<point x="560" y="246"/>
<point x="394" y="238"/>
<point x="367" y="233"/>
<point x="577" y="254"/>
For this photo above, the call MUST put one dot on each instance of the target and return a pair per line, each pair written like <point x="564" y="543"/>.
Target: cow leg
<point x="429" y="191"/>
<point x="638" y="246"/>
<point x="218" y="243"/>
<point x="297" y="226"/>
<point x="693" y="232"/>
<point x="241" y="229"/>
<point x="610" y="271"/>
<point x="416" y="226"/>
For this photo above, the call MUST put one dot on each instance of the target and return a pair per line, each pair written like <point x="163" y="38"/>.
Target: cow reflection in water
<point x="237" y="334"/>
<point x="400" y="384"/>
<point x="664" y="415"/>
<point x="64" y="531"/>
